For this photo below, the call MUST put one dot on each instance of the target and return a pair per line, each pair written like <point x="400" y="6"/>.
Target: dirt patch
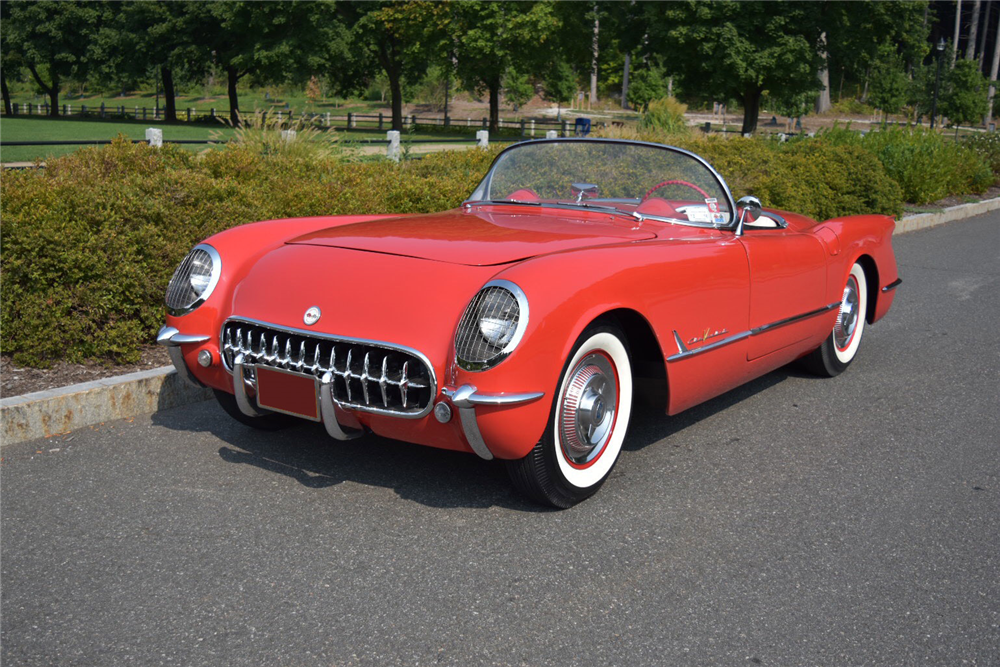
<point x="17" y="380"/>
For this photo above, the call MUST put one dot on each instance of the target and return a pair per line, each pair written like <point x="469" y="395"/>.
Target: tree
<point x="52" y="39"/>
<point x="8" y="58"/>
<point x="560" y="85"/>
<point x="646" y="85"/>
<point x="493" y="37"/>
<point x="269" y="41"/>
<point x="143" y="40"/>
<point x="398" y="37"/>
<point x="856" y="31"/>
<point x="738" y="50"/>
<point x="518" y="89"/>
<point x="963" y="94"/>
<point x="889" y="83"/>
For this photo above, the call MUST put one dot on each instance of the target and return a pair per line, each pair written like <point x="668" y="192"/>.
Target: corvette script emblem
<point x="312" y="316"/>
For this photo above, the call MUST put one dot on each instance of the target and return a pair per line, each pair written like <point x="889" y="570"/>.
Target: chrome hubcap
<point x="588" y="406"/>
<point x="847" y="320"/>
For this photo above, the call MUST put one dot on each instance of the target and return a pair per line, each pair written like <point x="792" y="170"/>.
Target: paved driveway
<point x="793" y="521"/>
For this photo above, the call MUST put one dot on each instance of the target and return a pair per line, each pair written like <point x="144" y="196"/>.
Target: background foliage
<point x="91" y="241"/>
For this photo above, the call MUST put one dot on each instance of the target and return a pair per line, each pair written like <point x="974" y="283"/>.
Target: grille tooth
<point x="404" y="383"/>
<point x="355" y="366"/>
<point x="382" y="381"/>
<point x="364" y="377"/>
<point x="347" y="373"/>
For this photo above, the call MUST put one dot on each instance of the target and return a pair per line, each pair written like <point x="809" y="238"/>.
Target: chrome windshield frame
<point x="478" y="195"/>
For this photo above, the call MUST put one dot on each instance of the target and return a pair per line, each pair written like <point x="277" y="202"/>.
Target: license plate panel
<point x="288" y="392"/>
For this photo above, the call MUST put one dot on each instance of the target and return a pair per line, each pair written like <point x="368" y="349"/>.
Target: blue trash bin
<point x="582" y="127"/>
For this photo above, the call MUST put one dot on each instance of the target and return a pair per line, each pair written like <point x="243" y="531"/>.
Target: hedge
<point x="90" y="242"/>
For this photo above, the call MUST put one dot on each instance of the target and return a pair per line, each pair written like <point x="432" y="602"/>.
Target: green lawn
<point x="48" y="129"/>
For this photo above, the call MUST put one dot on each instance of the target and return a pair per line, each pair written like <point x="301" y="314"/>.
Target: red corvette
<point x="517" y="325"/>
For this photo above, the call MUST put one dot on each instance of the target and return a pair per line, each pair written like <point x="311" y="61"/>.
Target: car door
<point x="787" y="284"/>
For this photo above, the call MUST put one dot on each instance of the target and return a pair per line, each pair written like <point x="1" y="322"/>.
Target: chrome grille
<point x="471" y="346"/>
<point x="367" y="375"/>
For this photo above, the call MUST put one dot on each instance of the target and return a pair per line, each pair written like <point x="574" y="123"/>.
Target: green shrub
<point x="810" y="177"/>
<point x="926" y="165"/>
<point x="90" y="242"/>
<point x="987" y="146"/>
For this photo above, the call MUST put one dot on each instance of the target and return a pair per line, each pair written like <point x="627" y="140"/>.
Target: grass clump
<point x="665" y="115"/>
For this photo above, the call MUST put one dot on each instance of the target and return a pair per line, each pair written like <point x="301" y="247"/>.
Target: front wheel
<point x="587" y="424"/>
<point x="841" y="346"/>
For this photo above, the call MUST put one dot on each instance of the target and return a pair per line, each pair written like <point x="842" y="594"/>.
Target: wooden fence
<point x="349" y="121"/>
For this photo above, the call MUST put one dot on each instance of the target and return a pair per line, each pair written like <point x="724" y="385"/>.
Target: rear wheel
<point x="841" y="346"/>
<point x="587" y="425"/>
<point x="268" y="422"/>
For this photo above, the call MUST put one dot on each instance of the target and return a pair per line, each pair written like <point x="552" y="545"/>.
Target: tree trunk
<point x="958" y="26"/>
<point x="232" y="78"/>
<point x="628" y="63"/>
<point x="593" y="60"/>
<point x="993" y="77"/>
<point x="751" y="109"/>
<point x="823" y="99"/>
<point x="52" y="91"/>
<point x="970" y="48"/>
<point x="396" y="96"/>
<point x="169" y="101"/>
<point x="981" y="49"/>
<point x="54" y="96"/>
<point x="6" y="93"/>
<point x="494" y="87"/>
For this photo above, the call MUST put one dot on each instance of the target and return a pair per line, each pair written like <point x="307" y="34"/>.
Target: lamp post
<point x="937" y="82"/>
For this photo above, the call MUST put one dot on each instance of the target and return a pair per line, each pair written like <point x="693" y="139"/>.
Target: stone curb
<point x="924" y="220"/>
<point x="65" y="409"/>
<point x="55" y="411"/>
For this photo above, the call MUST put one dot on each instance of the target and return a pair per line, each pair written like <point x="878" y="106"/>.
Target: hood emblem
<point x="312" y="316"/>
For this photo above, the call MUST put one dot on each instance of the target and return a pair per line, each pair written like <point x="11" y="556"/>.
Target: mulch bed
<point x="16" y="380"/>
<point x="910" y="209"/>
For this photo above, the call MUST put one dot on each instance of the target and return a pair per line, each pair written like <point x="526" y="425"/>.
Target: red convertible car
<point x="519" y="325"/>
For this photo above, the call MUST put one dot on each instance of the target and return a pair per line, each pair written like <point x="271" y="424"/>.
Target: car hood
<point x="479" y="237"/>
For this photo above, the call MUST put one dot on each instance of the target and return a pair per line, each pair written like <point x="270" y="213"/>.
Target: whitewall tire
<point x="587" y="425"/>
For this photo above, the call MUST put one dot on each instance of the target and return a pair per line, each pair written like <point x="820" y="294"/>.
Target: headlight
<point x="492" y="326"/>
<point x="194" y="280"/>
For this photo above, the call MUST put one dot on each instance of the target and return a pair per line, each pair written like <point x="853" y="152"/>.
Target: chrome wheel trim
<point x="589" y="407"/>
<point x="847" y="318"/>
<point x="591" y="474"/>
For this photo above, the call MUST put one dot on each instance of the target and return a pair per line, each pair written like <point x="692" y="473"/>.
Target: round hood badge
<point x="312" y="316"/>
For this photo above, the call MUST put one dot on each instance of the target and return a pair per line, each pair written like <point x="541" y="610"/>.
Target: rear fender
<point x="866" y="239"/>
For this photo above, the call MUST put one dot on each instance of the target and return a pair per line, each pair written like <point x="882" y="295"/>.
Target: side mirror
<point x="748" y="209"/>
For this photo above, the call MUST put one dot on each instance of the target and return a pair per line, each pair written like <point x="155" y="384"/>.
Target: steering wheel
<point x="676" y="182"/>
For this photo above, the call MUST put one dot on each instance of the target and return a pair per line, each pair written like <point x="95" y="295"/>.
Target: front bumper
<point x="465" y="398"/>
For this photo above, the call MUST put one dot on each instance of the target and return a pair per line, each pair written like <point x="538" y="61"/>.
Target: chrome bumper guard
<point x="172" y="339"/>
<point x="467" y="397"/>
<point x="326" y="402"/>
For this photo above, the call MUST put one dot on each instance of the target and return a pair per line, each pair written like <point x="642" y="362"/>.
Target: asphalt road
<point x="795" y="521"/>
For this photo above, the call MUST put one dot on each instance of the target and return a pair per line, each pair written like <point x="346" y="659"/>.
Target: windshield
<point x="624" y="177"/>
